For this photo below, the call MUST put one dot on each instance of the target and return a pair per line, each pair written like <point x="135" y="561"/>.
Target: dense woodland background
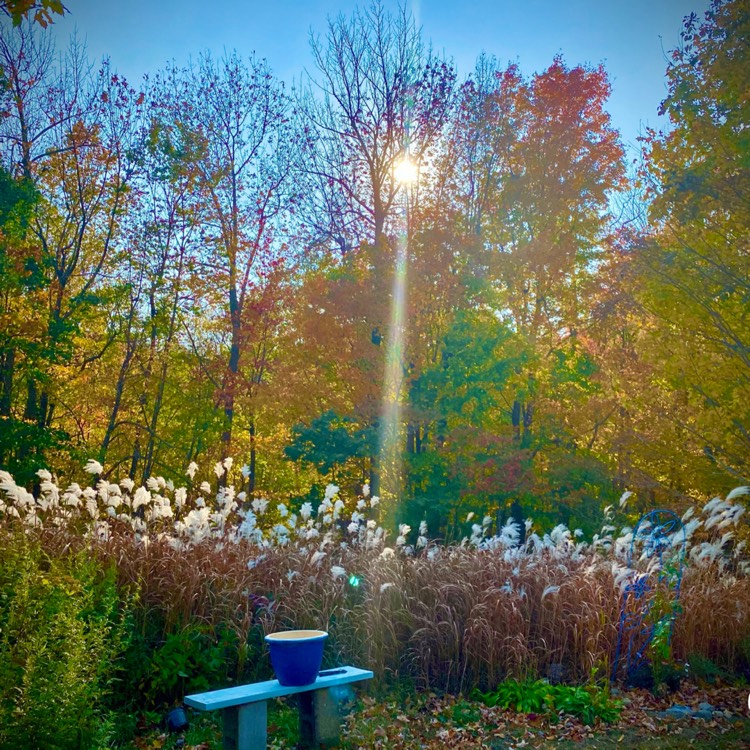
<point x="201" y="264"/>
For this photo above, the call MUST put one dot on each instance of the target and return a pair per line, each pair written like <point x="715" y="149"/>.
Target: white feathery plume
<point x="93" y="467"/>
<point x="509" y="534"/>
<point x="711" y="505"/>
<point x="560" y="534"/>
<point x="676" y="539"/>
<point x="550" y="590"/>
<point x="735" y="513"/>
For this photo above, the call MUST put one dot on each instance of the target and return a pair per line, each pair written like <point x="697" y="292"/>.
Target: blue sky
<point x="630" y="37"/>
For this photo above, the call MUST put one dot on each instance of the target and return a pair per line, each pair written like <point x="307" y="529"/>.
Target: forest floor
<point x="425" y="721"/>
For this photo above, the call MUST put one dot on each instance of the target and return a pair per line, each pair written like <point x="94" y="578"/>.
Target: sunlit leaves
<point x="693" y="274"/>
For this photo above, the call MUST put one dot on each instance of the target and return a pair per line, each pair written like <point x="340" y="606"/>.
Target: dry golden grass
<point x="457" y="618"/>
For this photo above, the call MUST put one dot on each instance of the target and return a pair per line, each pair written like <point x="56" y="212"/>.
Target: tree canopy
<point x="204" y="266"/>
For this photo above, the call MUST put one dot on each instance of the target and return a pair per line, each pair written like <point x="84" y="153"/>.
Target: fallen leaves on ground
<point x="427" y="722"/>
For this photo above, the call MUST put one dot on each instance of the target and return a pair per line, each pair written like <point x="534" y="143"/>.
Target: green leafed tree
<point x="329" y="443"/>
<point x="693" y="276"/>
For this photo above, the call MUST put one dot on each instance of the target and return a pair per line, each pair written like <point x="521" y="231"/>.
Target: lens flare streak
<point x="390" y="428"/>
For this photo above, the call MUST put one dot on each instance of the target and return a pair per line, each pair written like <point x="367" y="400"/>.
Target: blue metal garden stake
<point x="658" y="545"/>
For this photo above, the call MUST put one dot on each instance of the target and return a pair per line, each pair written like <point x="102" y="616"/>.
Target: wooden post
<point x="245" y="727"/>
<point x="319" y="720"/>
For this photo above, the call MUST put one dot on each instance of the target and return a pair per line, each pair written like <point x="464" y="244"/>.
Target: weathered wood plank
<point x="262" y="691"/>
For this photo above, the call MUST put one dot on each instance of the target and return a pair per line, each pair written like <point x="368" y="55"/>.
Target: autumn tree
<point x="692" y="275"/>
<point x="375" y="89"/>
<point x="518" y="211"/>
<point x="547" y="221"/>
<point x="237" y="120"/>
<point x="162" y="232"/>
<point x="20" y="279"/>
<point x="67" y="132"/>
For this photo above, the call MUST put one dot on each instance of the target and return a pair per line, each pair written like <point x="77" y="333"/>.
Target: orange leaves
<point x="535" y="162"/>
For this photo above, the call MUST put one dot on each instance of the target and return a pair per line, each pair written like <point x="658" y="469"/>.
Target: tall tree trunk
<point x="411" y="437"/>
<point x="253" y="457"/>
<point x="515" y="419"/>
<point x="113" y="415"/>
<point x="136" y="457"/>
<point x="45" y="410"/>
<point x="158" y="401"/>
<point x="31" y="410"/>
<point x="232" y="371"/>
<point x="374" y="477"/>
<point x="7" y="365"/>
<point x="528" y="419"/>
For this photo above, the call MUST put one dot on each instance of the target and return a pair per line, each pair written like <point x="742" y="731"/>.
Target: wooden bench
<point x="245" y="715"/>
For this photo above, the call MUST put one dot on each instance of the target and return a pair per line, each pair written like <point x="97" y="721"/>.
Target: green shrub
<point x="61" y="631"/>
<point x="526" y="696"/>
<point x="704" y="669"/>
<point x="587" y="703"/>
<point x="191" y="660"/>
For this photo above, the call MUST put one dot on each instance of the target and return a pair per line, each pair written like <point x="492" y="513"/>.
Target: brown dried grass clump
<point x="449" y="618"/>
<point x="715" y="617"/>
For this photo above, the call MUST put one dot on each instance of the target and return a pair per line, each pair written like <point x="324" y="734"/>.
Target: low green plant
<point x="191" y="660"/>
<point x="703" y="669"/>
<point x="588" y="703"/>
<point x="62" y="629"/>
<point x="664" y="610"/>
<point x="525" y="696"/>
<point x="283" y="721"/>
<point x="464" y="713"/>
<point x="666" y="673"/>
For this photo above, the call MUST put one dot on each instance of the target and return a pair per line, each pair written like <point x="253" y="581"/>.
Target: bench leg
<point x="319" y="720"/>
<point x="245" y="727"/>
